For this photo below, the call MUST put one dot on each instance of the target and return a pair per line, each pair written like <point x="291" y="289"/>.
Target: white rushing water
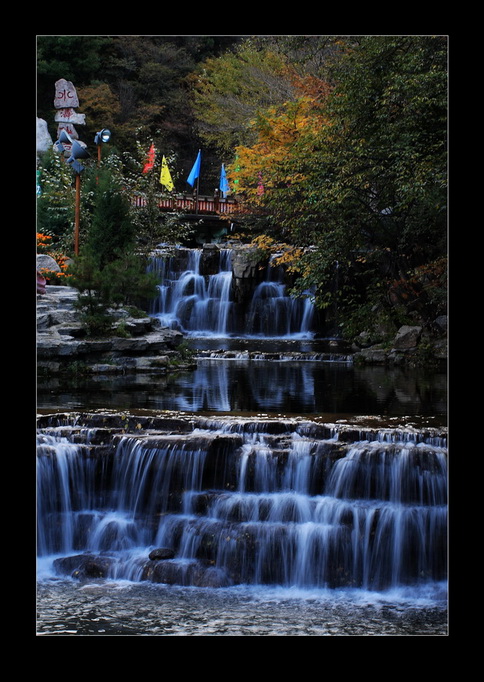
<point x="110" y="608"/>
<point x="202" y="305"/>
<point x="185" y="525"/>
<point x="251" y="509"/>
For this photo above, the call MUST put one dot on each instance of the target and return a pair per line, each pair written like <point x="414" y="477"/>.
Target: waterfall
<point x="237" y="501"/>
<point x="201" y="304"/>
<point x="274" y="314"/>
<point x="189" y="301"/>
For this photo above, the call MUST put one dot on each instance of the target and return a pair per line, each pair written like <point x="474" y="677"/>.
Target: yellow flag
<point x="165" y="177"/>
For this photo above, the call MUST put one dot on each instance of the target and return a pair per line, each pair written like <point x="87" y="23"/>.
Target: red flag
<point x="150" y="161"/>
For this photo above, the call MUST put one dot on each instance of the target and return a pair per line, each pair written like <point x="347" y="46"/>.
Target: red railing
<point x="190" y="204"/>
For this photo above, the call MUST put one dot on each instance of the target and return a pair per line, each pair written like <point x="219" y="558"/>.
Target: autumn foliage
<point x="335" y="149"/>
<point x="356" y="170"/>
<point x="53" y="276"/>
<point x="286" y="137"/>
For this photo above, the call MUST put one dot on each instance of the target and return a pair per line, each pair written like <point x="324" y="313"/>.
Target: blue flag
<point x="195" y="172"/>
<point x="224" y="184"/>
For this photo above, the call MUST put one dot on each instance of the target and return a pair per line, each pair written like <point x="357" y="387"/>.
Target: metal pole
<point x="77" y="214"/>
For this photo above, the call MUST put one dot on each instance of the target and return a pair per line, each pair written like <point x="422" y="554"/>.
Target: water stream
<point x="200" y="304"/>
<point x="247" y="506"/>
<point x="250" y="497"/>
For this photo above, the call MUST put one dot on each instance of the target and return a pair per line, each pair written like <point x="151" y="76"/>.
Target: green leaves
<point x="359" y="174"/>
<point x="231" y="90"/>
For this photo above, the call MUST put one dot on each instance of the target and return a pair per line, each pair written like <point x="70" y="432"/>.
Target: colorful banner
<point x="165" y="177"/>
<point x="150" y="161"/>
<point x="195" y="172"/>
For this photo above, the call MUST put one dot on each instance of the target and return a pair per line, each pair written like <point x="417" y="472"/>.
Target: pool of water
<point x="109" y="608"/>
<point x="241" y="386"/>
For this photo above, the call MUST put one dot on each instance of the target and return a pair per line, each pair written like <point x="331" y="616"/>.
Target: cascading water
<point x="247" y="501"/>
<point x="189" y="301"/>
<point x="273" y="313"/>
<point x="202" y="304"/>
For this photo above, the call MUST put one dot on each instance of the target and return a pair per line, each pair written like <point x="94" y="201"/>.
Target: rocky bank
<point x="412" y="345"/>
<point x="136" y="344"/>
<point x="142" y="345"/>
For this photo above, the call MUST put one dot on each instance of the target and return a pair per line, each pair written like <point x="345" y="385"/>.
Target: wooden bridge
<point x="193" y="205"/>
<point x="208" y="212"/>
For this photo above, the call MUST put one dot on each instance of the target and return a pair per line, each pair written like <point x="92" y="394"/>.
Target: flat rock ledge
<point x="139" y="345"/>
<point x="412" y="345"/>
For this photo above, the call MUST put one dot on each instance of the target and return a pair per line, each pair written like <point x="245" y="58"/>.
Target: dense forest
<point x="137" y="86"/>
<point x="335" y="147"/>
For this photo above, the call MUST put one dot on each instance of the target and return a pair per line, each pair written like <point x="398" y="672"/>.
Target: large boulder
<point x="440" y="323"/>
<point x="246" y="268"/>
<point x="407" y="337"/>
<point x="245" y="263"/>
<point x="210" y="259"/>
<point x="45" y="262"/>
<point x="44" y="140"/>
<point x="185" y="573"/>
<point x="84" y="566"/>
<point x="161" y="554"/>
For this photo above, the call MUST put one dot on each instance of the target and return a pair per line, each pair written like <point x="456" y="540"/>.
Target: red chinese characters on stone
<point x="66" y="113"/>
<point x="70" y="130"/>
<point x="65" y="95"/>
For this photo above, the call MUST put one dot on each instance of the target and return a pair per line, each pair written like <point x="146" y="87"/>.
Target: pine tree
<point x="110" y="271"/>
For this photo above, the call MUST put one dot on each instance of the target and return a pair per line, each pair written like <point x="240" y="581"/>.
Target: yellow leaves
<point x="306" y="271"/>
<point x="287" y="135"/>
<point x="264" y="242"/>
<point x="284" y="254"/>
<point x="290" y="258"/>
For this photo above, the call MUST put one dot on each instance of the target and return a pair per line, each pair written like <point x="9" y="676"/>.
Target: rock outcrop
<point x="136" y="344"/>
<point x="412" y="344"/>
<point x="246" y="270"/>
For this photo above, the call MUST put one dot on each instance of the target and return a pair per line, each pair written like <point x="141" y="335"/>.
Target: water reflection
<point x="261" y="386"/>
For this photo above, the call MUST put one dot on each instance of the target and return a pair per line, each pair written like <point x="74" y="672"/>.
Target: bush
<point x="126" y="282"/>
<point x="123" y="282"/>
<point x="92" y="301"/>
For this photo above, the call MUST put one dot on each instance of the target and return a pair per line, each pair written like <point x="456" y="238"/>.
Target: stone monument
<point x="65" y="102"/>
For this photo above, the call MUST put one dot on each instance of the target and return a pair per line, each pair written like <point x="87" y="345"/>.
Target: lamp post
<point x="100" y="138"/>
<point x="78" y="151"/>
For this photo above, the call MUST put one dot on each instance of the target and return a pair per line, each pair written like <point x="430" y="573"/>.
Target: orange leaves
<point x="286" y="136"/>
<point x="42" y="241"/>
<point x="61" y="259"/>
<point x="312" y="87"/>
<point x="284" y="254"/>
